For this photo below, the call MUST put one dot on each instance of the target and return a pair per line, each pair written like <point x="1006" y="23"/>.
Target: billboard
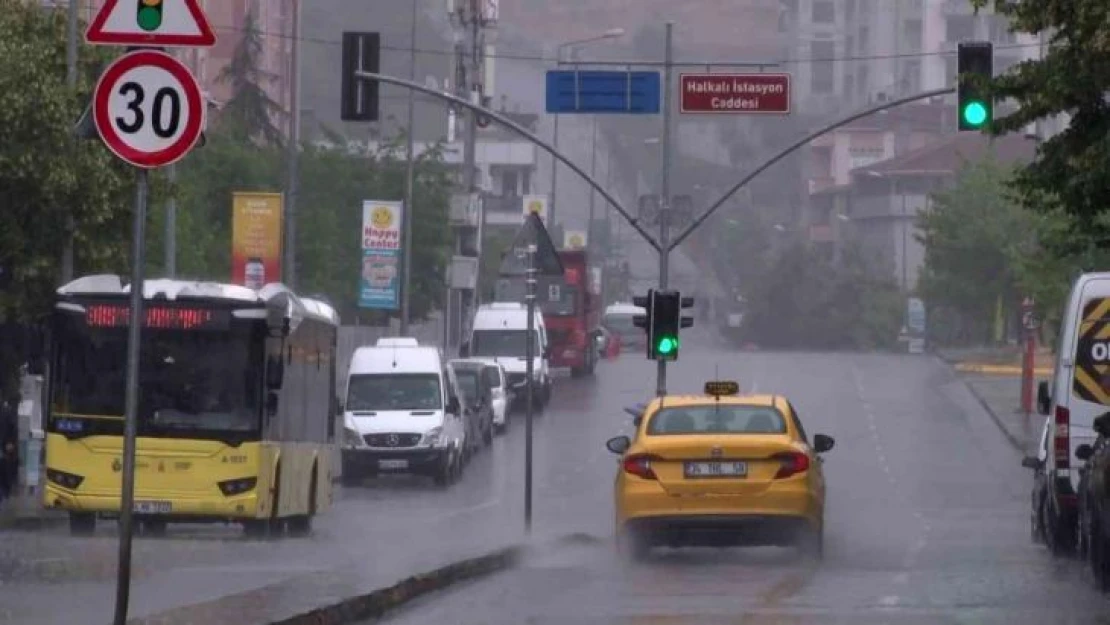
<point x="256" y="225"/>
<point x="380" y="282"/>
<point x="535" y="204"/>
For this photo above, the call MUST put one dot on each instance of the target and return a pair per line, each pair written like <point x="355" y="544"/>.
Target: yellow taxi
<point x="720" y="469"/>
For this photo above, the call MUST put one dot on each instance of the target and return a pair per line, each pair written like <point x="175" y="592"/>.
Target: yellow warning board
<point x="1092" y="357"/>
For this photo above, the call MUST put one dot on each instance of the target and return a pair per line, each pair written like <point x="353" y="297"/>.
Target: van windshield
<point x="506" y="343"/>
<point x="394" y="391"/>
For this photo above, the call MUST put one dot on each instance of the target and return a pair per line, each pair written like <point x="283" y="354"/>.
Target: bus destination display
<point x="158" y="317"/>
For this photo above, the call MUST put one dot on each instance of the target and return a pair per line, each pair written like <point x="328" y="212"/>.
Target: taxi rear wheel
<point x="633" y="546"/>
<point x="811" y="542"/>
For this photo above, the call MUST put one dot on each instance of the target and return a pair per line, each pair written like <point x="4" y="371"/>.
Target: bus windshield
<point x="394" y="391"/>
<point x="190" y="381"/>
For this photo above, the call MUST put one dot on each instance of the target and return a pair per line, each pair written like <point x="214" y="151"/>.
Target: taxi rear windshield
<point x="717" y="419"/>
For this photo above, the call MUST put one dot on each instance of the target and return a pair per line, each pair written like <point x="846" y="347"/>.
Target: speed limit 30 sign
<point x="148" y="109"/>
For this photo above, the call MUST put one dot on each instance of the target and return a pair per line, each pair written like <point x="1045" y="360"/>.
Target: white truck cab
<point x="500" y="332"/>
<point x="1076" y="395"/>
<point x="401" y="414"/>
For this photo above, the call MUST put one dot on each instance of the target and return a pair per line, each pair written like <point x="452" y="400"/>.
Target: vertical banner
<point x="256" y="225"/>
<point x="381" y="255"/>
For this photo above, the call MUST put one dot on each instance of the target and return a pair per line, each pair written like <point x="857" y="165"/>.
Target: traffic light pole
<point x="665" y="208"/>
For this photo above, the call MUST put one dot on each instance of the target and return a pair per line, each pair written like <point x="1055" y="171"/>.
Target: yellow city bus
<point x="236" y="419"/>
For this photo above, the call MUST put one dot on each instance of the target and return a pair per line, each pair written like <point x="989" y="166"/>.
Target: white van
<point x="401" y="413"/>
<point x="1077" y="393"/>
<point x="499" y="333"/>
<point x="617" y="319"/>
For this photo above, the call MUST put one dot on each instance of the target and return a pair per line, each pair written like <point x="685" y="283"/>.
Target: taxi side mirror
<point x="1031" y="462"/>
<point x="1044" y="398"/>
<point x="618" y="444"/>
<point x="823" y="443"/>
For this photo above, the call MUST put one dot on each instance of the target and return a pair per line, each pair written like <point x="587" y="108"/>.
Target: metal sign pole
<point x="665" y="200"/>
<point x="529" y="355"/>
<point x="131" y="406"/>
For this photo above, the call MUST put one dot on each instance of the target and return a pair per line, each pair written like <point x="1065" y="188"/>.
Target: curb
<point x="1014" y="442"/>
<point x="989" y="369"/>
<point x="375" y="604"/>
<point x="29" y="524"/>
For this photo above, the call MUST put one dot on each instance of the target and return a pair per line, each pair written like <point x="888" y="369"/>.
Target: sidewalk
<point x="1003" y="361"/>
<point x="25" y="511"/>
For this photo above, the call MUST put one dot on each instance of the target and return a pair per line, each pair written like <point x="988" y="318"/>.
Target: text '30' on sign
<point x="735" y="93"/>
<point x="148" y="109"/>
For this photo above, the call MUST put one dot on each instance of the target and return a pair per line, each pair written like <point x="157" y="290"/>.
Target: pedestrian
<point x="9" y="458"/>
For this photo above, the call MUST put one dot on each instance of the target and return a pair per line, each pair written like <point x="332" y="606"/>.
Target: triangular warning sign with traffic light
<point x="155" y="23"/>
<point x="546" y="261"/>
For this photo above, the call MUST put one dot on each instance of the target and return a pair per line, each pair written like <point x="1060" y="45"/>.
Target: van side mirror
<point x="1084" y="452"/>
<point x="271" y="404"/>
<point x="275" y="372"/>
<point x="1044" y="398"/>
<point x="1031" y="462"/>
<point x="823" y="443"/>
<point x="453" y="405"/>
<point x="464" y="349"/>
<point x="1101" y="424"/>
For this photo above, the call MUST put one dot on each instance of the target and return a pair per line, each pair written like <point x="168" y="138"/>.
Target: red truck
<point x="571" y="307"/>
<point x="572" y="314"/>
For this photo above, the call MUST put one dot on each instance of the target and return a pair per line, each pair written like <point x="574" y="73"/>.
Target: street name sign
<point x="595" y="91"/>
<point x="152" y="23"/>
<point x="148" y="109"/>
<point x="735" y="93"/>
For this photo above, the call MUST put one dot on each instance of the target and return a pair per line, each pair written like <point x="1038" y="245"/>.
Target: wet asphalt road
<point x="927" y="515"/>
<point x="927" y="523"/>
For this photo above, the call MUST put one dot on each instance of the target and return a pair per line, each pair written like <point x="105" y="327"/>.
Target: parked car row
<point x="1070" y="502"/>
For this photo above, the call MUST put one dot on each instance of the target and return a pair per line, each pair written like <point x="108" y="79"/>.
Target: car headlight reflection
<point x="434" y="437"/>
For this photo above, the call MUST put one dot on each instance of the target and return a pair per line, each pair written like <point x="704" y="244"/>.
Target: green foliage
<point x="973" y="234"/>
<point x="805" y="299"/>
<point x="251" y="112"/>
<point x="46" y="177"/>
<point x="333" y="184"/>
<point x="1072" y="168"/>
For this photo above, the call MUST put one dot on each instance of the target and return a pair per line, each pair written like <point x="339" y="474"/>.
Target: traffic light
<point x="975" y="68"/>
<point x="358" y="96"/>
<point x="149" y="14"/>
<point x="666" y="320"/>
<point x="644" y="321"/>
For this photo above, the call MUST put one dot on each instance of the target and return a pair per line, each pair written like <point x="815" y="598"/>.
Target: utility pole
<point x="590" y="247"/>
<point x="293" y="146"/>
<point x="665" y="195"/>
<point x="410" y="173"/>
<point x="71" y="82"/>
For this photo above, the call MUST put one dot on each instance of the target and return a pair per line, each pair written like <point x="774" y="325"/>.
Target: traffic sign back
<point x="155" y="23"/>
<point x="546" y="262"/>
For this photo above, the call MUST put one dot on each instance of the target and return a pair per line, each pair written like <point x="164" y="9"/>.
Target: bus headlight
<point x="237" y="487"/>
<point x="63" y="479"/>
<point x="351" y="438"/>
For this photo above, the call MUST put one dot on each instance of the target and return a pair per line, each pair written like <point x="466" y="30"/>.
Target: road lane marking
<point x="889" y="601"/>
<point x="902" y="578"/>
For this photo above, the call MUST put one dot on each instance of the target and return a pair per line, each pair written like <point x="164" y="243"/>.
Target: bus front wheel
<point x="82" y="523"/>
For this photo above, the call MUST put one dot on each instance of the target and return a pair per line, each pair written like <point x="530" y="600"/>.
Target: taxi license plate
<point x="393" y="464"/>
<point x="153" y="507"/>
<point x="716" y="469"/>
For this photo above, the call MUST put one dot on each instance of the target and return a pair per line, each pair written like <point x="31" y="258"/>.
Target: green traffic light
<point x="150" y="17"/>
<point x="975" y="113"/>
<point x="667" y="345"/>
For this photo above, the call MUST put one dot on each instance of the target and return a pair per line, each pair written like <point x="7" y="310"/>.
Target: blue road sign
<point x="593" y="91"/>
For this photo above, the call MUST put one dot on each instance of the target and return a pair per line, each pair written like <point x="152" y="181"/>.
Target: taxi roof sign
<point x="721" y="388"/>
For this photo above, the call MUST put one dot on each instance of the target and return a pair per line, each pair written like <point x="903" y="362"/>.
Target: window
<point x="525" y="182"/>
<point x="717" y="419"/>
<point x="405" y="391"/>
<point x="824" y="12"/>
<point x="822" y="74"/>
<point x="911" y="75"/>
<point x="911" y="35"/>
<point x="960" y="28"/>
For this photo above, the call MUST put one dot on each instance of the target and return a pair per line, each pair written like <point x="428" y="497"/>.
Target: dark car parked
<point x="478" y="397"/>
<point x="1094" y="503"/>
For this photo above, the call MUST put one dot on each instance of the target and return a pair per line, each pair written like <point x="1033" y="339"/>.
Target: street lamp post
<point x="612" y="33"/>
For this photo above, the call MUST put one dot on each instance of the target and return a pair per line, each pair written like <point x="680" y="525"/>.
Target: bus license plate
<point x="393" y="464"/>
<point x="716" y="469"/>
<point x="153" y="507"/>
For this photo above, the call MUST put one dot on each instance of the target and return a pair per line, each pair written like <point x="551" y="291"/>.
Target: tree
<point x="972" y="234"/>
<point x="46" y="177"/>
<point x="250" y="112"/>
<point x="1072" y="168"/>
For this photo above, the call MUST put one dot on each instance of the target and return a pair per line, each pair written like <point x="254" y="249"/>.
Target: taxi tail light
<point x="793" y="463"/>
<point x="238" y="487"/>
<point x="640" y="466"/>
<point x="1061" y="443"/>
